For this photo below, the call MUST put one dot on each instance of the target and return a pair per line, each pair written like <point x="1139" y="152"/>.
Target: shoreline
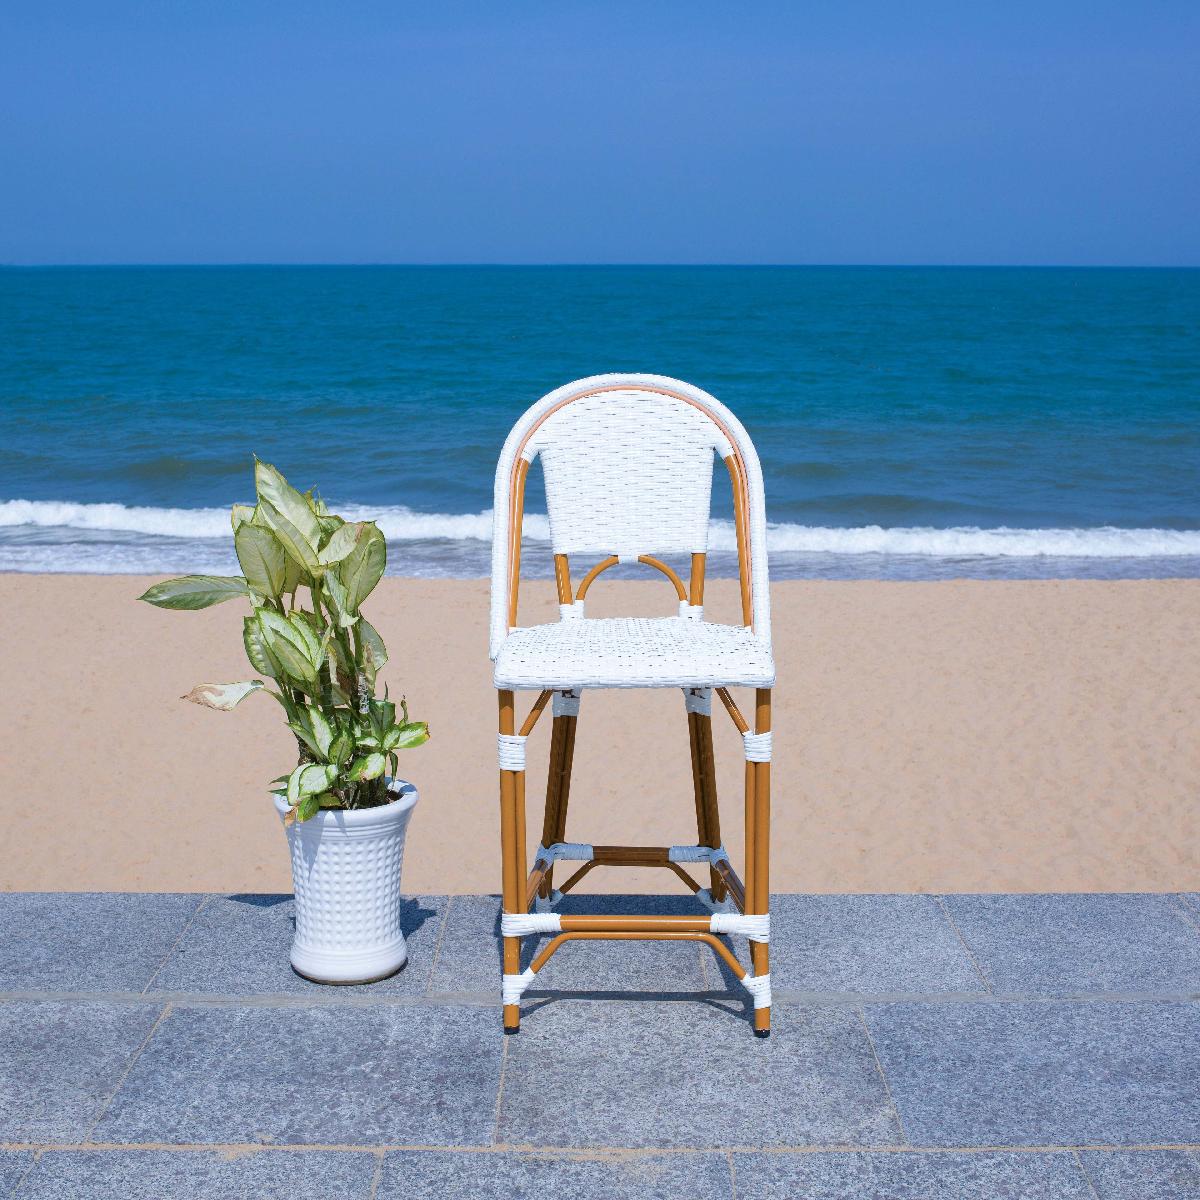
<point x="957" y="736"/>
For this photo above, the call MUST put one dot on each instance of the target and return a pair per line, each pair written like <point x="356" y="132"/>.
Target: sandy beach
<point x="962" y="736"/>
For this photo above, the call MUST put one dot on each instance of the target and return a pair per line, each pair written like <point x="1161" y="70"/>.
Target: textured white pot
<point x="346" y="877"/>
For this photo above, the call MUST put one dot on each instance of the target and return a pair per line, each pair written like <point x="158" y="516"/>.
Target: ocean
<point x="913" y="423"/>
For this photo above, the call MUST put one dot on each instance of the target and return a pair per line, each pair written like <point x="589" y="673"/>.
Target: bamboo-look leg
<point x="697" y="784"/>
<point x="558" y="788"/>
<point x="512" y="850"/>
<point x="711" y="835"/>
<point x="759" y="893"/>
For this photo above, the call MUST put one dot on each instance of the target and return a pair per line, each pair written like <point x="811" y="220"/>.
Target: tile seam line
<point x="729" y="1163"/>
<point x="480" y="999"/>
<point x="860" y="1013"/>
<point x="1087" y="1175"/>
<point x="166" y="958"/>
<point x="166" y="1008"/>
<point x="376" y="1175"/>
<point x="379" y="1148"/>
<point x="437" y="949"/>
<point x="34" y="1159"/>
<point x="948" y="916"/>
<point x="500" y="1090"/>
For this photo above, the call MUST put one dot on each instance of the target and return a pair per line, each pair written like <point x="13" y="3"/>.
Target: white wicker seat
<point x="628" y="466"/>
<point x="633" y="652"/>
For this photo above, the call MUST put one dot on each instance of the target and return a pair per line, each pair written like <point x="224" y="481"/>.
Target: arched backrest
<point x="628" y="462"/>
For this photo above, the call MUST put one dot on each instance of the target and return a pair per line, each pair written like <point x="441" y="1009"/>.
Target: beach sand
<point x="964" y="736"/>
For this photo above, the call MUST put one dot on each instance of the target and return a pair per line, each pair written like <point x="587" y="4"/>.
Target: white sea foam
<point x="1104" y="541"/>
<point x="60" y="518"/>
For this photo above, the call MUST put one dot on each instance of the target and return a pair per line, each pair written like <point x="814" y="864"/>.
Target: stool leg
<point x="558" y="789"/>
<point x="697" y="782"/>
<point x="759" y="952"/>
<point x="512" y="850"/>
<point x="710" y="832"/>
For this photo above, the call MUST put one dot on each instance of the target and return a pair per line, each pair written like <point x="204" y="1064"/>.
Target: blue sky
<point x="238" y="131"/>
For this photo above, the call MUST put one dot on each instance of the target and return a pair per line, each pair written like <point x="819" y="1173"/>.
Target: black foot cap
<point x="762" y="1033"/>
<point x="509" y="1030"/>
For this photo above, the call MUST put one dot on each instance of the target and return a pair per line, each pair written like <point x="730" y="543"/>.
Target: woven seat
<point x="627" y="462"/>
<point x="633" y="652"/>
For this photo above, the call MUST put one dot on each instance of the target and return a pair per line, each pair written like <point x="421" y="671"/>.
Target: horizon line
<point x="807" y="266"/>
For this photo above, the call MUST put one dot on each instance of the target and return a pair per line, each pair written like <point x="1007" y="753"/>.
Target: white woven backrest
<point x="628" y="472"/>
<point x="628" y="463"/>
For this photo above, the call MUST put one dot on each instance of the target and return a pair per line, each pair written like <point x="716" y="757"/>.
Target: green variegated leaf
<point x="298" y="547"/>
<point x="241" y="515"/>
<point x="307" y="808"/>
<point x="294" y="576"/>
<point x="225" y="696"/>
<point x="293" y="785"/>
<point x="328" y="800"/>
<point x="256" y="650"/>
<point x="372" y="644"/>
<point x="321" y="729"/>
<point x="335" y="594"/>
<point x="315" y="778"/>
<point x="262" y="558"/>
<point x="370" y="766"/>
<point x="362" y="568"/>
<point x="339" y="545"/>
<point x="412" y="733"/>
<point x="287" y="514"/>
<point x="195" y="591"/>
<point x="286" y="645"/>
<point x="341" y="747"/>
<point x="308" y="629"/>
<point x="305" y="735"/>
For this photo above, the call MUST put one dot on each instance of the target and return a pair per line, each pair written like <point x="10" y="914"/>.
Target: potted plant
<point x="306" y="573"/>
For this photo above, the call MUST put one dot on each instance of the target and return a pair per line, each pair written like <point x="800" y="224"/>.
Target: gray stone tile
<point x="87" y="942"/>
<point x="59" y="1063"/>
<point x="238" y="946"/>
<point x="1191" y="901"/>
<point x="835" y="1175"/>
<point x="470" y="956"/>
<point x="1064" y="944"/>
<point x="200" y="1175"/>
<point x="864" y="945"/>
<point x="318" y="1075"/>
<point x="1143" y="1174"/>
<point x="1042" y="1073"/>
<point x="634" y="1074"/>
<point x="436" y="1175"/>
<point x="13" y="1164"/>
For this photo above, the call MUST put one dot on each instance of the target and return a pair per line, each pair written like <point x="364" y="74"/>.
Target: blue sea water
<point x="913" y="423"/>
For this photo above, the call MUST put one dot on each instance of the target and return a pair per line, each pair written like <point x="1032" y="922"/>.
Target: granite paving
<point x="1060" y="945"/>
<point x="232" y="946"/>
<point x="1036" y="1073"/>
<point x="93" y="942"/>
<point x="923" y="1047"/>
<point x="200" y="1175"/>
<point x="436" y="1175"/>
<point x="1143" y="1174"/>
<point x="836" y="1175"/>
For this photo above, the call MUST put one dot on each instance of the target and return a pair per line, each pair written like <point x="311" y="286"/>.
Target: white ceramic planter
<point x="346" y="878"/>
